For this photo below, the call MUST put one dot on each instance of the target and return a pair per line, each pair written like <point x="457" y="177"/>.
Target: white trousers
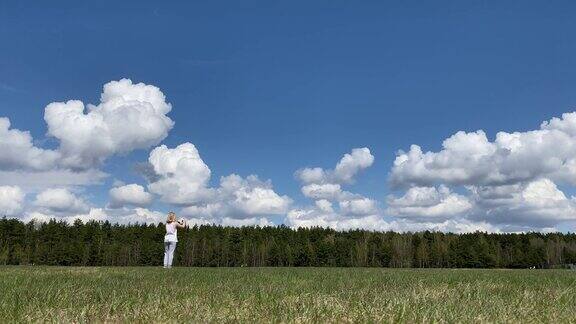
<point x="169" y="248"/>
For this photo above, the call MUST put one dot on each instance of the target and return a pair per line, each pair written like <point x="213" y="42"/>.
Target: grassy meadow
<point x="72" y="294"/>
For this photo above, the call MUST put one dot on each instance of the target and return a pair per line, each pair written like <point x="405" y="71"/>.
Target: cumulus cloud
<point x="311" y="175"/>
<point x="360" y="213"/>
<point x="183" y="179"/>
<point x="255" y="221"/>
<point x="344" y="172"/>
<point x="33" y="168"/>
<point x="143" y="215"/>
<point x="472" y="159"/>
<point x="324" y="205"/>
<point x="121" y="216"/>
<point x="428" y="204"/>
<point x="312" y="217"/>
<point x="506" y="183"/>
<point x="334" y="207"/>
<point x="240" y="198"/>
<point x="538" y="203"/>
<point x="358" y="206"/>
<point x="94" y="214"/>
<point x="19" y="152"/>
<point x="198" y="220"/>
<point x="251" y="196"/>
<point x="511" y="181"/>
<point x="329" y="191"/>
<point x="316" y="216"/>
<point x="454" y="225"/>
<point x="319" y="183"/>
<point x="208" y="213"/>
<point x="182" y="175"/>
<point x="129" y="195"/>
<point x="352" y="163"/>
<point x="11" y="199"/>
<point x="60" y="200"/>
<point x="128" y="117"/>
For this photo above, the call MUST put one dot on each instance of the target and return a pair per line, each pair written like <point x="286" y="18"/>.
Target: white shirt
<point x="171" y="233"/>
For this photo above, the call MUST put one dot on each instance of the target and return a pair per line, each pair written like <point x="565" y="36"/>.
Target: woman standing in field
<point x="171" y="238"/>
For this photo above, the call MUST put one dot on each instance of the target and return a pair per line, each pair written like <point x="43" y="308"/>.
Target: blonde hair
<point x="171" y="217"/>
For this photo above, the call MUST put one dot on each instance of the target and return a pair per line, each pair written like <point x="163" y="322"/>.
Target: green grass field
<point x="285" y="294"/>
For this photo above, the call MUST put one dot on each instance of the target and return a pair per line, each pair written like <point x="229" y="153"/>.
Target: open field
<point x="285" y="294"/>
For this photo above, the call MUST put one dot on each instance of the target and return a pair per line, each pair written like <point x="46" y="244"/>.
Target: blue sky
<point x="269" y="88"/>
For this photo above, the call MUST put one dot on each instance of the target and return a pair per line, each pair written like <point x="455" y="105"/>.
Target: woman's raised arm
<point x="181" y="224"/>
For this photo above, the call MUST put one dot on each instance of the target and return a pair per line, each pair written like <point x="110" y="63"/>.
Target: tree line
<point x="105" y="244"/>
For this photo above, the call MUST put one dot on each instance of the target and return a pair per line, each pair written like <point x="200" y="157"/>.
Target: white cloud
<point x="538" y="203"/>
<point x="129" y="116"/>
<point x="183" y="179"/>
<point x="511" y="180"/>
<point x="240" y="198"/>
<point x="344" y="172"/>
<point x="507" y="183"/>
<point x="143" y="215"/>
<point x="324" y="205"/>
<point x="183" y="174"/>
<point x="420" y="208"/>
<point x="33" y="168"/>
<point x="251" y="196"/>
<point x="328" y="191"/>
<point x="208" y="212"/>
<point x="429" y="204"/>
<point x="11" y="199"/>
<point x="38" y="217"/>
<point x="94" y="214"/>
<point x="60" y="200"/>
<point x="200" y="221"/>
<point x="325" y="186"/>
<point x="317" y="217"/>
<point x="121" y="216"/>
<point x="129" y="195"/>
<point x="358" y="206"/>
<point x="471" y="159"/>
<point x="313" y="217"/>
<point x="227" y="221"/>
<point x="352" y="163"/>
<point x="455" y="225"/>
<point x="311" y="175"/>
<point x="566" y="124"/>
<point x="19" y="153"/>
